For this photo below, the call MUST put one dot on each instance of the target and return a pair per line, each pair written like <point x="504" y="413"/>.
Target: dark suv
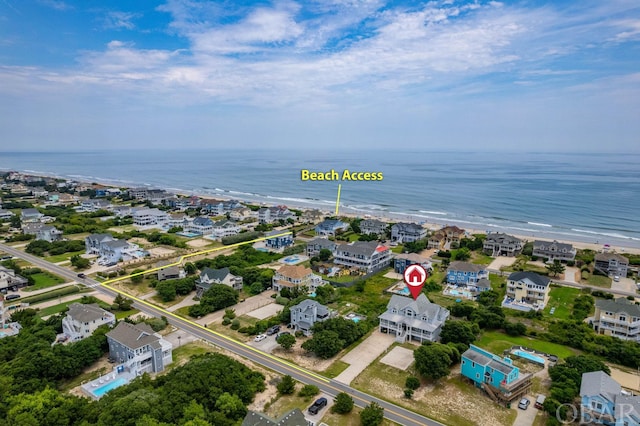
<point x="318" y="405"/>
<point x="273" y="330"/>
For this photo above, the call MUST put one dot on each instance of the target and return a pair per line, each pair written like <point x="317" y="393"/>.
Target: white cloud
<point x="120" y="20"/>
<point x="56" y="4"/>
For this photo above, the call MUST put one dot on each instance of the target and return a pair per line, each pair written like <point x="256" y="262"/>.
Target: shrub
<point x="412" y="382"/>
<point x="308" y="391"/>
<point x="408" y="393"/>
<point x="286" y="386"/>
<point x="235" y="324"/>
<point x="226" y="321"/>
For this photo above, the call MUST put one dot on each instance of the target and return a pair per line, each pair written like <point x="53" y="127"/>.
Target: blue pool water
<point x="262" y="249"/>
<point x="187" y="234"/>
<point x="291" y="259"/>
<point x="528" y="356"/>
<point x="2" y="334"/>
<point x="355" y="319"/>
<point x="405" y="290"/>
<point x="312" y="294"/>
<point x="109" y="386"/>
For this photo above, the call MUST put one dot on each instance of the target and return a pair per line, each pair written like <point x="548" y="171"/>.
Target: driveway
<point x="267" y="345"/>
<point x="625" y="284"/>
<point x="528" y="416"/>
<point x="364" y="354"/>
<point x="501" y="261"/>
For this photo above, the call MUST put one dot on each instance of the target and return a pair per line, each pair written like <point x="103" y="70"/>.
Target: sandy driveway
<point x="501" y="261"/>
<point x="364" y="354"/>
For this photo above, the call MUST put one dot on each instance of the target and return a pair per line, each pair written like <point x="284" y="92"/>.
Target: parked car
<point x="524" y="404"/>
<point x="12" y="297"/>
<point x="260" y="337"/>
<point x="82" y="276"/>
<point x="616" y="278"/>
<point x="540" y="401"/>
<point x="318" y="405"/>
<point x="273" y="330"/>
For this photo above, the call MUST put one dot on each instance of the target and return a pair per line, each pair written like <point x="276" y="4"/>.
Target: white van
<point x="539" y="401"/>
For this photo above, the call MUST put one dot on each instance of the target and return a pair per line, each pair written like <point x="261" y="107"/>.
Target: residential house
<point x="314" y="246"/>
<point x="274" y="214"/>
<point x="526" y="291"/>
<point x="599" y="395"/>
<point x="212" y="207"/>
<point x="498" y="377"/>
<point x="82" y="320"/>
<point x="499" y="244"/>
<point x="329" y="227"/>
<point x="367" y="256"/>
<point x="291" y="418"/>
<point x="401" y="261"/>
<point x="407" y="232"/>
<point x="177" y="220"/>
<point x="39" y="192"/>
<point x="312" y="216"/>
<point x="156" y="196"/>
<point x="7" y="328"/>
<point x="619" y="318"/>
<point x="94" y="241"/>
<point x="224" y="228"/>
<point x="241" y="213"/>
<point x="169" y="272"/>
<point x="9" y="280"/>
<point x="110" y="250"/>
<point x="123" y="211"/>
<point x="137" y="193"/>
<point x="611" y="264"/>
<point x="30" y="215"/>
<point x="446" y="238"/>
<point x="291" y="276"/>
<point x="373" y="227"/>
<point x="6" y="215"/>
<point x="553" y="250"/>
<point x="483" y="284"/>
<point x="150" y="218"/>
<point x="306" y="313"/>
<point x="209" y="277"/>
<point x="93" y="205"/>
<point x="409" y="319"/>
<point x="139" y="348"/>
<point x="229" y="205"/>
<point x="201" y="225"/>
<point x="275" y="240"/>
<point x="465" y="273"/>
<point x="177" y="203"/>
<point x="31" y="228"/>
<point x="48" y="233"/>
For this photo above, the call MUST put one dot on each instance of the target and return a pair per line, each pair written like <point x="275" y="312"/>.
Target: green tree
<point x="462" y="254"/>
<point x="325" y="254"/>
<point x="433" y="360"/>
<point x="137" y="279"/>
<point x="324" y="344"/>
<point x="190" y="268"/>
<point x="555" y="268"/>
<point x="408" y="393"/>
<point x="15" y="222"/>
<point x="489" y="298"/>
<point x="412" y="382"/>
<point x="231" y="406"/>
<point x="193" y="410"/>
<point x="308" y="391"/>
<point x="459" y="332"/>
<point x="372" y="415"/>
<point x="343" y="403"/>
<point x="515" y="328"/>
<point x="286" y="341"/>
<point x="166" y="291"/>
<point x="79" y="262"/>
<point x="286" y="386"/>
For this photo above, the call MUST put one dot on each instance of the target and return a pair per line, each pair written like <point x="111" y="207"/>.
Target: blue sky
<point x="445" y="75"/>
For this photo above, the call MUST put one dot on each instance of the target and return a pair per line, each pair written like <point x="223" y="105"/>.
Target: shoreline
<point x="615" y="245"/>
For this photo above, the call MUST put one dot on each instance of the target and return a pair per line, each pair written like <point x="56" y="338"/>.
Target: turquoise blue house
<point x="278" y="242"/>
<point x="465" y="273"/>
<point x="497" y="376"/>
<point x="603" y="401"/>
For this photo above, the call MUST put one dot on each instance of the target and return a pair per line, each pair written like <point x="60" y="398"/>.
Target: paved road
<point x="330" y="387"/>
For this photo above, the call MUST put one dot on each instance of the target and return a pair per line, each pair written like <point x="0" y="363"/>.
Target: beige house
<point x="295" y="276"/>
<point x="443" y="238"/>
<point x="526" y="291"/>
<point x="619" y="318"/>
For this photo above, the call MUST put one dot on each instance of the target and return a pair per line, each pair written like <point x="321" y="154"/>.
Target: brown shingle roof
<point x="294" y="271"/>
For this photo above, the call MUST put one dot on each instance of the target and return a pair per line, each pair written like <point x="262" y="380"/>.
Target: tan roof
<point x="294" y="271"/>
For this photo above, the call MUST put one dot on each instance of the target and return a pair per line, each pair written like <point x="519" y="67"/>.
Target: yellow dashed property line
<point x="195" y="324"/>
<point x="186" y="256"/>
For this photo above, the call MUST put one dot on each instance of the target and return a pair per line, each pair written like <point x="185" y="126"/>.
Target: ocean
<point x="592" y="198"/>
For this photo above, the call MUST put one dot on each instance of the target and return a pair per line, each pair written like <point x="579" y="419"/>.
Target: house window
<point x="623" y="318"/>
<point x="477" y="375"/>
<point x="473" y="364"/>
<point x="596" y="405"/>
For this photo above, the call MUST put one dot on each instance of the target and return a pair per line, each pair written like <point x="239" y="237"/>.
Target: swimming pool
<point x="187" y="234"/>
<point x="98" y="392"/>
<point x="529" y="357"/>
<point x="459" y="293"/>
<point x="405" y="291"/>
<point x="291" y="259"/>
<point x="2" y="334"/>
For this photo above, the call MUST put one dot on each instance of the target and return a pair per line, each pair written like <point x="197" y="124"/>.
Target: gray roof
<point x="531" y="276"/>
<point x="619" y="305"/>
<point x="483" y="283"/>
<point x="623" y="405"/>
<point x="365" y="248"/>
<point x="332" y="223"/>
<point x="292" y="418"/>
<point x="420" y="305"/>
<point x="308" y="304"/>
<point x="214" y="274"/>
<point x="202" y="221"/>
<point x="501" y="238"/>
<point x="116" y="244"/>
<point x="465" y="267"/>
<point x="134" y="336"/>
<point x="605" y="257"/>
<point x="100" y="237"/>
<point x="322" y="242"/>
<point x="30" y="212"/>
<point x="407" y="227"/>
<point x="86" y="313"/>
<point x="482" y="359"/>
<point x="48" y="228"/>
<point x="224" y="223"/>
<point x="546" y="244"/>
<point x="599" y="383"/>
<point x="373" y="222"/>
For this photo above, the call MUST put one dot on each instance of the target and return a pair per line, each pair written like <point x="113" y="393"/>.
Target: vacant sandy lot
<point x="198" y="243"/>
<point x="161" y="251"/>
<point x="626" y="380"/>
<point x="265" y="311"/>
<point x="399" y="357"/>
<point x="501" y="261"/>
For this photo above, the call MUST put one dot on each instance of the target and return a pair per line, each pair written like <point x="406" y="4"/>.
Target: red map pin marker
<point x="414" y="277"/>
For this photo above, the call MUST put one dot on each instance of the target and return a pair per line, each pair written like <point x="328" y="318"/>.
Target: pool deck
<point x="289" y="260"/>
<point x="92" y="385"/>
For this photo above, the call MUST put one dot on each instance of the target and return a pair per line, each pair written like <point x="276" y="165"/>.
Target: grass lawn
<point x="335" y="369"/>
<point x="496" y="342"/>
<point x="183" y="312"/>
<point x="62" y="257"/>
<point x="352" y="418"/>
<point x="561" y="298"/>
<point x="184" y="352"/>
<point x="598" y="281"/>
<point x="56" y="309"/>
<point x="481" y="259"/>
<point x="43" y="280"/>
<point x="124" y="314"/>
<point x="397" y="249"/>
<point x="373" y="299"/>
<point x="340" y="279"/>
<point x="158" y="301"/>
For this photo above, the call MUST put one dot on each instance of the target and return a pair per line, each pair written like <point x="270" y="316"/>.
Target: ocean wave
<point x="434" y="212"/>
<point x="607" y="234"/>
<point x="546" y="225"/>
